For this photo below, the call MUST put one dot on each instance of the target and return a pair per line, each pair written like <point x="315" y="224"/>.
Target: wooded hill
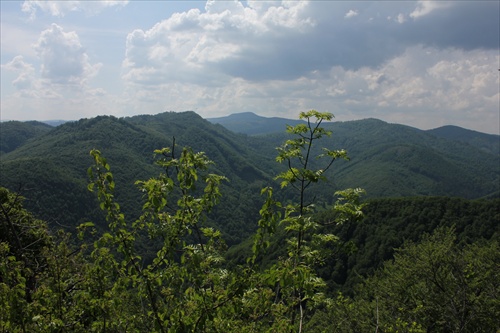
<point x="166" y="271"/>
<point x="252" y="124"/>
<point x="388" y="223"/>
<point x="48" y="165"/>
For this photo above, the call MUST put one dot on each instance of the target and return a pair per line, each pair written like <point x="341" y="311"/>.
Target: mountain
<point x="388" y="224"/>
<point x="252" y="124"/>
<point x="487" y="142"/>
<point x="14" y="134"/>
<point x="51" y="171"/>
<point x="393" y="160"/>
<point x="388" y="160"/>
<point x="55" y="122"/>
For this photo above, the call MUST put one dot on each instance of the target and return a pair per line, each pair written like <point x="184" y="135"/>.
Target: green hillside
<point x="487" y="142"/>
<point x="252" y="124"/>
<point x="51" y="171"/>
<point x="387" y="160"/>
<point x="389" y="222"/>
<point x="391" y="160"/>
<point x="169" y="270"/>
<point x="14" y="134"/>
<point x="395" y="160"/>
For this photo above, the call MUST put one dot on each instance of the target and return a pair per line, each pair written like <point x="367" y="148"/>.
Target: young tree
<point x="108" y="286"/>
<point x="293" y="281"/>
<point x="185" y="288"/>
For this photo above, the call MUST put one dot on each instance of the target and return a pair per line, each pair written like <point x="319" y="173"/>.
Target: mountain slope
<point x="51" y="171"/>
<point x="487" y="142"/>
<point x="252" y="124"/>
<point x="14" y="134"/>
<point x="389" y="156"/>
<point x="387" y="160"/>
<point x="396" y="160"/>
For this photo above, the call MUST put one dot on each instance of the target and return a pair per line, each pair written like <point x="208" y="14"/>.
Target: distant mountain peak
<point x="253" y="124"/>
<point x="248" y="113"/>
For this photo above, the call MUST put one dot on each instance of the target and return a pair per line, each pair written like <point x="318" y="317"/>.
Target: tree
<point x="186" y="286"/>
<point x="22" y="239"/>
<point x="293" y="280"/>
<point x="437" y="285"/>
<point x="440" y="285"/>
<point x="106" y="285"/>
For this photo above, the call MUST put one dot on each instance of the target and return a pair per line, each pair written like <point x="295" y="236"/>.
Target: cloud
<point x="418" y="63"/>
<point x="423" y="86"/>
<point x="64" y="60"/>
<point x="465" y="25"/>
<point x="211" y="47"/>
<point x="287" y="40"/>
<point x="61" y="84"/>
<point x="26" y="73"/>
<point x="64" y="64"/>
<point x="61" y="8"/>
<point x="427" y="6"/>
<point x="351" y="13"/>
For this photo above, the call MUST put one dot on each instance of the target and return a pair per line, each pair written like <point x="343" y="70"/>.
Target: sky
<point x="420" y="63"/>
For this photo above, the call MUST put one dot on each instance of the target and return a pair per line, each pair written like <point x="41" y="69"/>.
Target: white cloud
<point x="259" y="58"/>
<point x="60" y="86"/>
<point x="351" y="13"/>
<point x="25" y="71"/>
<point x="286" y="40"/>
<point x="425" y="87"/>
<point x="425" y="7"/>
<point x="61" y="8"/>
<point x="64" y="60"/>
<point x="418" y="63"/>
<point x="200" y="48"/>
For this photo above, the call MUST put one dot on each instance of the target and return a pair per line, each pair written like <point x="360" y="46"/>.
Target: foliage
<point x="293" y="281"/>
<point x="436" y="285"/>
<point x="52" y="169"/>
<point x="104" y="283"/>
<point x="185" y="285"/>
<point x="440" y="286"/>
<point x="364" y="247"/>
<point x="14" y="134"/>
<point x="387" y="160"/>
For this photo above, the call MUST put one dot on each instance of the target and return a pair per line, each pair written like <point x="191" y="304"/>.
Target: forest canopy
<point x="101" y="281"/>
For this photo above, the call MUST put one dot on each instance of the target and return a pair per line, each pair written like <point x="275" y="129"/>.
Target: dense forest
<point x="48" y="167"/>
<point x="172" y="242"/>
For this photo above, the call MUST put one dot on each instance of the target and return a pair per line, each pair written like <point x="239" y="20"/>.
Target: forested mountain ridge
<point x="14" y="134"/>
<point x="420" y="152"/>
<point x="388" y="223"/>
<point x="391" y="160"/>
<point x="252" y="124"/>
<point x="166" y="271"/>
<point x="51" y="171"/>
<point x="487" y="142"/>
<point x="387" y="160"/>
<point x="389" y="156"/>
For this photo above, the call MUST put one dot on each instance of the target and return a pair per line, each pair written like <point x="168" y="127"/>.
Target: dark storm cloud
<point x="375" y="34"/>
<point x="464" y="25"/>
